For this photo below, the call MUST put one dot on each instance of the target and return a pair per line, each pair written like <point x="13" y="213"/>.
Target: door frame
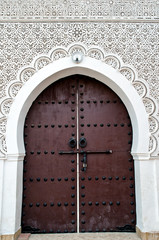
<point x="15" y="144"/>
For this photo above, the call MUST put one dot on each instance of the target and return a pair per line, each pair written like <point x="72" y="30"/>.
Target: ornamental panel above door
<point x="78" y="171"/>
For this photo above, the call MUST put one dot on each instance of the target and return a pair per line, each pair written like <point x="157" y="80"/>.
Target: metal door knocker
<point x="72" y="142"/>
<point x="82" y="142"/>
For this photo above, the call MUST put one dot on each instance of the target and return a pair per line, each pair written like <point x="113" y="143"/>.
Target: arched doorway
<point x="78" y="171"/>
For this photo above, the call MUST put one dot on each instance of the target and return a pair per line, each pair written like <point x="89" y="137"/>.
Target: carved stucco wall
<point x="33" y="35"/>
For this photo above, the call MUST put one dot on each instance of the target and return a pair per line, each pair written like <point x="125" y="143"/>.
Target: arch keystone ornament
<point x="123" y="80"/>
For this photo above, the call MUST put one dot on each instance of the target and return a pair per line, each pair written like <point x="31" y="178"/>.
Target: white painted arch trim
<point x="89" y="67"/>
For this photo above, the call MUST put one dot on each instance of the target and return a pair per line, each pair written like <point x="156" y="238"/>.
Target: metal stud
<point x="72" y="161"/>
<point x="37" y="204"/>
<point x="72" y="195"/>
<point x="38" y="179"/>
<point x="58" y="204"/>
<point x="94" y="101"/>
<point x="31" y="179"/>
<point x="83" y="230"/>
<point x="103" y="177"/>
<point x="95" y="125"/>
<point x="51" y="204"/>
<point x="81" y="102"/>
<point x="118" y="203"/>
<point x="122" y="124"/>
<point x="89" y="203"/>
<point x="45" y="204"/>
<point x="46" y="126"/>
<point x="45" y="179"/>
<point x="82" y="134"/>
<point x="45" y="152"/>
<point x="97" y="203"/>
<point x="82" y="125"/>
<point x="83" y="222"/>
<point x="82" y="186"/>
<point x="58" y="231"/>
<point x="66" y="125"/>
<point x="30" y="204"/>
<point x="81" y="109"/>
<point x="72" y="179"/>
<point x="73" y="125"/>
<point x="52" y="125"/>
<point x="132" y="211"/>
<point x="101" y="101"/>
<point x="52" y="179"/>
<point x="97" y="230"/>
<point x="32" y="152"/>
<point x="82" y="178"/>
<point x="32" y="125"/>
<point x="96" y="178"/>
<point x="110" y="178"/>
<point x="130" y="169"/>
<point x="52" y="152"/>
<point x="66" y="102"/>
<point x="72" y="170"/>
<point x="115" y="125"/>
<point x="73" y="221"/>
<point x="124" y="178"/>
<point x="72" y="231"/>
<point x="72" y="204"/>
<point x="83" y="212"/>
<point x="108" y="125"/>
<point x="73" y="187"/>
<point x="130" y="159"/>
<point x="66" y="204"/>
<point x="89" y="178"/>
<point x="66" y="179"/>
<point x="53" y="102"/>
<point x="83" y="195"/>
<point x="104" y="203"/>
<point x="131" y="185"/>
<point x="131" y="194"/>
<point x="107" y="101"/>
<point x="73" y="118"/>
<point x="59" y="126"/>
<point x="65" y="231"/>
<point x="59" y="179"/>
<point x="88" y="125"/>
<point x="101" y="124"/>
<point x="73" y="213"/>
<point x="132" y="203"/>
<point x="133" y="220"/>
<point x="117" y="178"/>
<point x="38" y="152"/>
<point x="110" y="203"/>
<point x="82" y="203"/>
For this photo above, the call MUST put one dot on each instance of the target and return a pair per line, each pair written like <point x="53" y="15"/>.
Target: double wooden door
<point x="78" y="171"/>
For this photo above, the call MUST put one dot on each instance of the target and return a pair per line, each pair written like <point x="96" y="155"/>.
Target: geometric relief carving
<point x="5" y="106"/>
<point x="3" y="122"/>
<point x="110" y="59"/>
<point x="14" y="89"/>
<point x="128" y="73"/>
<point x="95" y="53"/>
<point x="140" y="88"/>
<point x="153" y="125"/>
<point x="42" y="62"/>
<point x="26" y="74"/>
<point x="149" y="105"/>
<point x="57" y="54"/>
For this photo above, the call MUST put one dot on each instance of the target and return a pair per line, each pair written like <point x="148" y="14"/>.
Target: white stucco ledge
<point x="141" y="156"/>
<point x="15" y="157"/>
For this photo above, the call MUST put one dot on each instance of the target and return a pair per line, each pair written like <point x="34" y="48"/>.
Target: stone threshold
<point x="81" y="236"/>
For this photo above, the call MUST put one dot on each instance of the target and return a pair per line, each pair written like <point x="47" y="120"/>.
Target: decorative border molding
<point x="113" y="60"/>
<point x="68" y="10"/>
